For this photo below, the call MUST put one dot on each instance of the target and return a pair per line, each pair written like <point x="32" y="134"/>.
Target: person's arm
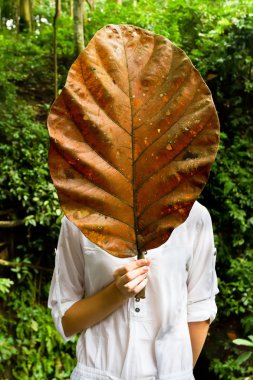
<point x="201" y="284"/>
<point x="128" y="281"/>
<point x="198" y="333"/>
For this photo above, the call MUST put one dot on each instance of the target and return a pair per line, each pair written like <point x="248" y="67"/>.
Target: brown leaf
<point x="133" y="135"/>
<point x="211" y="76"/>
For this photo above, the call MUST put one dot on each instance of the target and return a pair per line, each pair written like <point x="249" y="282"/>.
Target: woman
<point x="124" y="337"/>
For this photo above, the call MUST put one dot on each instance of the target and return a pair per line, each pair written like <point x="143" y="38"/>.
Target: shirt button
<point x="137" y="299"/>
<point x="137" y="310"/>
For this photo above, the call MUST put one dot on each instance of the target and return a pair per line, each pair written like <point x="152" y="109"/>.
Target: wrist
<point x="117" y="294"/>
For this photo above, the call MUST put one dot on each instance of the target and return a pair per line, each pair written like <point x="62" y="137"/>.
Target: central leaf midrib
<point x="136" y="228"/>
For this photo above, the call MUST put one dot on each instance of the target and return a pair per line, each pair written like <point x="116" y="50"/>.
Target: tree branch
<point x="14" y="264"/>
<point x="11" y="223"/>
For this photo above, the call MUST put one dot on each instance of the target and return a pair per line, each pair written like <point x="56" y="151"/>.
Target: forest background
<point x="39" y="41"/>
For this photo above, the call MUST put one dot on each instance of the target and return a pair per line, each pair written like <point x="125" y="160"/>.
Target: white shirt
<point x="146" y="339"/>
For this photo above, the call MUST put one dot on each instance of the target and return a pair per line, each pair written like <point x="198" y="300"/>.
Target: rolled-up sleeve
<point x="67" y="285"/>
<point x="202" y="281"/>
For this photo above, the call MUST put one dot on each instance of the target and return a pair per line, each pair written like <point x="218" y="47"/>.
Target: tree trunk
<point x="58" y="7"/>
<point x="25" y="21"/>
<point x="78" y="25"/>
<point x="56" y="16"/>
<point x="16" y="14"/>
<point x="92" y="4"/>
<point x="71" y="8"/>
<point x="1" y="23"/>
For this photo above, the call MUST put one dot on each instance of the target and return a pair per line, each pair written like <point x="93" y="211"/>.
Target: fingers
<point x="131" y="275"/>
<point x="131" y="288"/>
<point x="137" y="264"/>
<point x="132" y="278"/>
<point x="140" y="286"/>
<point x="132" y="266"/>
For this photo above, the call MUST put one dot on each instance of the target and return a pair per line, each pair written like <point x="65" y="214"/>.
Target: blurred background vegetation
<point x="39" y="40"/>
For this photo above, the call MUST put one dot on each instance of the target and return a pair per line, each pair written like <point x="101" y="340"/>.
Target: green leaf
<point x="5" y="284"/>
<point x="243" y="342"/>
<point x="228" y="187"/>
<point x="243" y="357"/>
<point x="34" y="325"/>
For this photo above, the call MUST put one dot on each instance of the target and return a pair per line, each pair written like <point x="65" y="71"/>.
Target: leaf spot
<point x="169" y="147"/>
<point x="68" y="173"/>
<point x="158" y="130"/>
<point x="181" y="211"/>
<point x="190" y="155"/>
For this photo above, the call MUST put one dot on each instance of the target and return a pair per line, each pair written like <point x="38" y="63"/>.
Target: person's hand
<point x="132" y="278"/>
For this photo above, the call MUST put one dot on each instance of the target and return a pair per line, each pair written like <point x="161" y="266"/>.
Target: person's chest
<point x="168" y="262"/>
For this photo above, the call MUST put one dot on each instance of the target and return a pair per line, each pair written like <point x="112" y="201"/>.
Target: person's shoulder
<point x="198" y="215"/>
<point x="65" y="221"/>
<point x="69" y="225"/>
<point x="74" y="231"/>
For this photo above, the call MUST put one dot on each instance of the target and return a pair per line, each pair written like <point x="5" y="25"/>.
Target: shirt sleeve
<point x="202" y="280"/>
<point x="67" y="285"/>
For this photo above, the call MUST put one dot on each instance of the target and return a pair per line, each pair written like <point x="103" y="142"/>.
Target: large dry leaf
<point x="133" y="136"/>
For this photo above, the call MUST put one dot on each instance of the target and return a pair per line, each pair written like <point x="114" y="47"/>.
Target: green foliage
<point x="231" y="369"/>
<point x="5" y="284"/>
<point x="244" y="342"/>
<point x="34" y="345"/>
<point x="24" y="175"/>
<point x="156" y="17"/>
<point x="217" y="35"/>
<point x="222" y="53"/>
<point x="24" y="179"/>
<point x="236" y="291"/>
